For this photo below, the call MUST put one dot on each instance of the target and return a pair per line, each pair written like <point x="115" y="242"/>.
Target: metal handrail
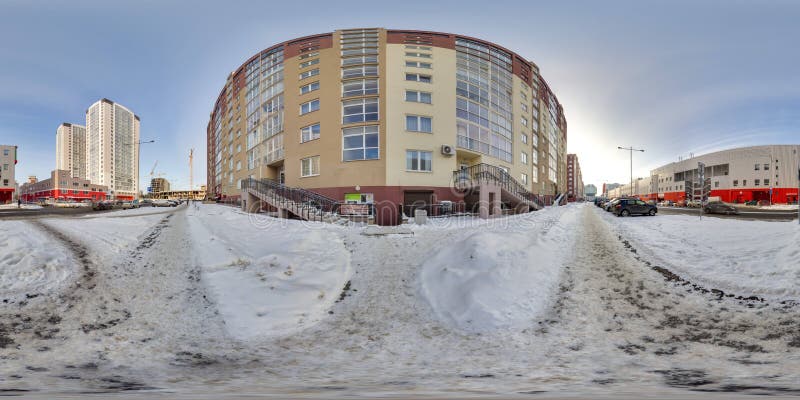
<point x="307" y="204"/>
<point x="498" y="176"/>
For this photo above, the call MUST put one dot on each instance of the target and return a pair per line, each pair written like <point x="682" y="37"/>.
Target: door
<point x="413" y="200"/>
<point x="641" y="207"/>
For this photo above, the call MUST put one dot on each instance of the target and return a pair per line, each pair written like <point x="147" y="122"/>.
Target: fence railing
<point x="466" y="178"/>
<point x="435" y="209"/>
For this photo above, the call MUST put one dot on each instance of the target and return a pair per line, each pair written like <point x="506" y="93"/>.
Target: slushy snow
<point x="29" y="261"/>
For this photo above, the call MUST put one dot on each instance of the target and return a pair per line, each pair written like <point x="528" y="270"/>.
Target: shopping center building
<point x="377" y="115"/>
<point x="761" y="173"/>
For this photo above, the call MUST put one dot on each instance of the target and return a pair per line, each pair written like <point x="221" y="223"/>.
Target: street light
<point x="631" y="149"/>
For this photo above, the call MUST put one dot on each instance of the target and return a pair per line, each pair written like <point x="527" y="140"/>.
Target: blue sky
<point x="670" y="77"/>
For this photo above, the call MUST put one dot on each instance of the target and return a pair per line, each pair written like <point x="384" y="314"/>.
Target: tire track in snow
<point x="660" y="331"/>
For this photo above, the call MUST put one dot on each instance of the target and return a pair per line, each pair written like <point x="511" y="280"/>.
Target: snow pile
<point x="268" y="276"/>
<point x="500" y="278"/>
<point x="105" y="234"/>
<point x="30" y="262"/>
<point x="741" y="256"/>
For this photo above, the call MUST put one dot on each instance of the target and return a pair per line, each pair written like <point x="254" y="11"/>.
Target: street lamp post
<point x="631" y="149"/>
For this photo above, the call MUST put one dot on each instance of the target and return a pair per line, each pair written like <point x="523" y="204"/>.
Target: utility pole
<point x="191" y="170"/>
<point x="631" y="149"/>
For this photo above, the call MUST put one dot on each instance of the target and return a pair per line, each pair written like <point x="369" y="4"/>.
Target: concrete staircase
<point x="288" y="201"/>
<point x="483" y="178"/>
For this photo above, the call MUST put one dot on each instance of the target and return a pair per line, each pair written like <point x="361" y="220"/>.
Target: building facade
<point x="574" y="179"/>
<point x="761" y="173"/>
<point x="62" y="185"/>
<point x="158" y="185"/>
<point x="112" y="148"/>
<point x="8" y="182"/>
<point x="387" y="114"/>
<point x="71" y="149"/>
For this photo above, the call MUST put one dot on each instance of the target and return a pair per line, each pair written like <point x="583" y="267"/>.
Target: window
<point x="419" y="161"/>
<point x="524" y="121"/>
<point x="357" y="72"/>
<point x="716" y="184"/>
<point x="360" y="110"/>
<point x="309" y="166"/>
<point x="359" y="87"/>
<point x="309" y="63"/>
<point x="5" y="167"/>
<point x="420" y="55"/>
<point x="524" y="138"/>
<point x="524" y="107"/>
<point x="5" y="152"/>
<point x="309" y="55"/>
<point x="744" y="182"/>
<point x="238" y="148"/>
<point x="310" y="106"/>
<point x="360" y="143"/>
<point x="309" y="88"/>
<point x="309" y="73"/>
<point x="523" y="157"/>
<point x="766" y="182"/>
<point x="735" y="182"/>
<point x="524" y="178"/>
<point x="757" y="182"/>
<point x="418" y="97"/>
<point x="766" y="167"/>
<point x="418" y="47"/>
<point x="309" y="133"/>
<point x="417" y="64"/>
<point x="418" y="123"/>
<point x="758" y="167"/>
<point x="238" y="165"/>
<point x="418" y="78"/>
<point x="360" y="60"/>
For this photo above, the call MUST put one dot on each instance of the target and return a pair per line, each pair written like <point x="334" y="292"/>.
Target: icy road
<point x="569" y="300"/>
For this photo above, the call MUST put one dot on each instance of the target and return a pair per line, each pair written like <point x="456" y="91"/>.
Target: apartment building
<point x="112" y="148"/>
<point x="71" y="149"/>
<point x="574" y="179"/>
<point x="158" y="185"/>
<point x="385" y="115"/>
<point x="766" y="173"/>
<point x="8" y="183"/>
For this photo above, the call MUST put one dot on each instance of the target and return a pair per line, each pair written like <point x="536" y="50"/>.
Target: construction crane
<point x="191" y="170"/>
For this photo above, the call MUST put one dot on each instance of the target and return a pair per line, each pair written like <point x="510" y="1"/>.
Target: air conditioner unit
<point x="448" y="150"/>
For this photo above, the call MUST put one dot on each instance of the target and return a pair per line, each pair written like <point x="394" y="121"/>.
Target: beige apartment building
<point x="8" y="182"/>
<point x="390" y="115"/>
<point x="71" y="149"/>
<point x="112" y="149"/>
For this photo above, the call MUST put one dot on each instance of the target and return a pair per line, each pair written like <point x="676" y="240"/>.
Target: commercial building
<point x="8" y="183"/>
<point x="71" y="149"/>
<point x="386" y="116"/>
<point x="62" y="185"/>
<point x="158" y="185"/>
<point x="112" y="148"/>
<point x="574" y="179"/>
<point x="762" y="173"/>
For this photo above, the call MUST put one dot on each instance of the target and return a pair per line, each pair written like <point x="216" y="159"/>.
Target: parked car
<point x="719" y="207"/>
<point x="102" y="205"/>
<point x="125" y="205"/>
<point x="146" y="203"/>
<point x="751" y="203"/>
<point x="163" y="203"/>
<point x="626" y="207"/>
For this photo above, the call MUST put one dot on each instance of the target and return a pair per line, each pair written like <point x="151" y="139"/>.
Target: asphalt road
<point x="764" y="215"/>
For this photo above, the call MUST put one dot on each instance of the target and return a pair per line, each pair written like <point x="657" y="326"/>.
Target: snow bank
<point x="500" y="278"/>
<point x="740" y="256"/>
<point x="268" y="277"/>
<point x="30" y="262"/>
<point x="104" y="234"/>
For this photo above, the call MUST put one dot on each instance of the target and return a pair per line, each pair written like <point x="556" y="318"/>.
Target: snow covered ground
<point x="752" y="258"/>
<point x="206" y="300"/>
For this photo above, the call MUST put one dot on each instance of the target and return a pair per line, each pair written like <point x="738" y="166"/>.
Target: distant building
<point x="756" y="173"/>
<point x="158" y="185"/>
<point x="71" y="149"/>
<point x="8" y="183"/>
<point x="574" y="179"/>
<point x="62" y="186"/>
<point x="590" y="191"/>
<point x="112" y="148"/>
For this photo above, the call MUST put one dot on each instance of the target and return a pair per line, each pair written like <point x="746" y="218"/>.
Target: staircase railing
<point x="464" y="179"/>
<point x="307" y="204"/>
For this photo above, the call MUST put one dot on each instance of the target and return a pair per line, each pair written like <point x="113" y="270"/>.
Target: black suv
<point x="626" y="207"/>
